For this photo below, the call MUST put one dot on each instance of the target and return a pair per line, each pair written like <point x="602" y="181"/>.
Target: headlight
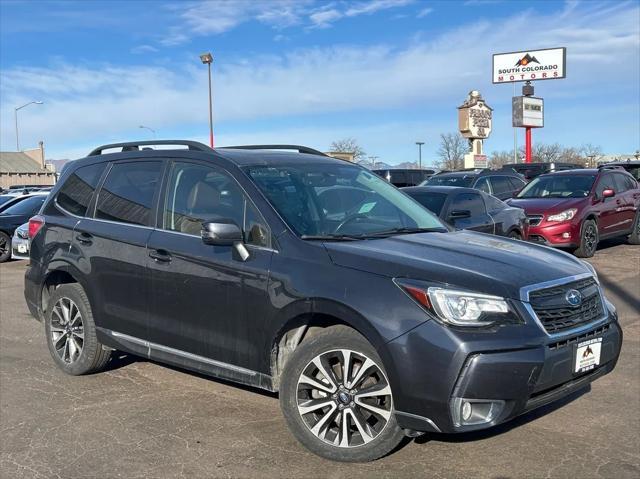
<point x="458" y="308"/>
<point x="566" y="215"/>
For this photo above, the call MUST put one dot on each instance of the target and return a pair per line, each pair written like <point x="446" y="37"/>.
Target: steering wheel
<point x="349" y="219"/>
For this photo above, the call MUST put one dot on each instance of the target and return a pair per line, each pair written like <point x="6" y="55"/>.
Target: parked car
<point x="466" y="208"/>
<point x="502" y="184"/>
<point x="531" y="170"/>
<point x="372" y="322"/>
<point x="578" y="208"/>
<point x="401" y="177"/>
<point x="14" y="214"/>
<point x="20" y="242"/>
<point x="631" y="166"/>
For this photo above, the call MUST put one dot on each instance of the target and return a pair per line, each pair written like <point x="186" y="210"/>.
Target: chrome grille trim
<point x="526" y="290"/>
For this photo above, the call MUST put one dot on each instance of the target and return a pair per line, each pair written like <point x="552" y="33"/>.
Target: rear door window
<point x="128" y="191"/>
<point x="500" y="185"/>
<point x="77" y="191"/>
<point x="469" y="201"/>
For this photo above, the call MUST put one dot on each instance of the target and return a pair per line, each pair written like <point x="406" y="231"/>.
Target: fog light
<point x="475" y="412"/>
<point x="566" y="235"/>
<point x="466" y="410"/>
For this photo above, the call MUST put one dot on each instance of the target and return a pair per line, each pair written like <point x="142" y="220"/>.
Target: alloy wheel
<point x="67" y="330"/>
<point x="344" y="398"/>
<point x="590" y="238"/>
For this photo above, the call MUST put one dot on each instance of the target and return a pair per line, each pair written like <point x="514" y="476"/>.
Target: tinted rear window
<point x="127" y="193"/>
<point x="432" y="201"/>
<point x="77" y="191"/>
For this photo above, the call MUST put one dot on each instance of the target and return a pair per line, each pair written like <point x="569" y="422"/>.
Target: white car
<point x="20" y="242"/>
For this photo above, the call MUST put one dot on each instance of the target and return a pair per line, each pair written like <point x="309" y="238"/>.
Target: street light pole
<point x="207" y="59"/>
<point x="420" y="143"/>
<point x="15" y="113"/>
<point x="150" y="129"/>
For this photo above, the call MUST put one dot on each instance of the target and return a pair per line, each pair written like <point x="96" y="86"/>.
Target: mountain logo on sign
<point x="525" y="60"/>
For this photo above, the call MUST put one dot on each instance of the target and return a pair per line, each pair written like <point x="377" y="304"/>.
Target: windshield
<point x="28" y="206"/>
<point x="558" y="186"/>
<point x="432" y="201"/>
<point x="450" y="180"/>
<point x="324" y="200"/>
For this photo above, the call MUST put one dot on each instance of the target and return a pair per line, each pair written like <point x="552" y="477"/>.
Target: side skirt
<point x="184" y="359"/>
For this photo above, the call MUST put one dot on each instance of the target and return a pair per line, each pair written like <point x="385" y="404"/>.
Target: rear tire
<point x="589" y="239"/>
<point x="349" y="417"/>
<point x="514" y="235"/>
<point x="5" y="247"/>
<point x="634" y="237"/>
<point x="71" y="332"/>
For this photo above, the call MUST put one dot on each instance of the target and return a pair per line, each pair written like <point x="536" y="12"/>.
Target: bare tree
<point x="590" y="154"/>
<point x="349" y="145"/>
<point x="451" y="152"/>
<point x="498" y="159"/>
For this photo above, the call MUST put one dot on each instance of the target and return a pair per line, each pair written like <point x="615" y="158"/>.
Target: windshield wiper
<point x="394" y="231"/>
<point x="333" y="237"/>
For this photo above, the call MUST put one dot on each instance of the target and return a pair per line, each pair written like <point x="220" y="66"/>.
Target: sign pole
<point x="527" y="147"/>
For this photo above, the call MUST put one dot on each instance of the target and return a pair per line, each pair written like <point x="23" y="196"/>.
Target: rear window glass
<point x="432" y="201"/>
<point x="127" y="193"/>
<point x="78" y="189"/>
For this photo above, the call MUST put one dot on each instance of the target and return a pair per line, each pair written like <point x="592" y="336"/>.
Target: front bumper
<point x="564" y="235"/>
<point x="19" y="247"/>
<point x="517" y="367"/>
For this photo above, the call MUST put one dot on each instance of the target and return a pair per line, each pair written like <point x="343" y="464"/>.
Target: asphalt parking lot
<point x="141" y="419"/>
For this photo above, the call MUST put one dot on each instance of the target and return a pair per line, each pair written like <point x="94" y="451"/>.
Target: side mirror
<point x="516" y="193"/>
<point x="608" y="193"/>
<point x="459" y="214"/>
<point x="221" y="233"/>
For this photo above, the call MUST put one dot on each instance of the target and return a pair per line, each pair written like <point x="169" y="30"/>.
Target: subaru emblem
<point x="573" y="297"/>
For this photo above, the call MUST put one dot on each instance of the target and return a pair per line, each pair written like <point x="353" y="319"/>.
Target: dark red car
<point x="577" y="208"/>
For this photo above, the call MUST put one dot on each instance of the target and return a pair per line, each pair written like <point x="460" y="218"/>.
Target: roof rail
<point x="298" y="148"/>
<point x="135" y="145"/>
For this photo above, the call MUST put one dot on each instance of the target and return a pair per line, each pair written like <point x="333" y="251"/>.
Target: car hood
<point x="545" y="205"/>
<point x="462" y="259"/>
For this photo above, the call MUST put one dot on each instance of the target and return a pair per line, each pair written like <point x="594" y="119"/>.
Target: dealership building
<point x="26" y="167"/>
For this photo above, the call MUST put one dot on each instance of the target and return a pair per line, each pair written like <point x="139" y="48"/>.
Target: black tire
<point x="634" y="237"/>
<point x="589" y="239"/>
<point x="355" y="449"/>
<point x="92" y="357"/>
<point x="514" y="234"/>
<point x="5" y="247"/>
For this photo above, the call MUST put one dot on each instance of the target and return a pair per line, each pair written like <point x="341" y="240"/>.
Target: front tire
<point x="514" y="234"/>
<point x="336" y="398"/>
<point x="71" y="332"/>
<point x="588" y="240"/>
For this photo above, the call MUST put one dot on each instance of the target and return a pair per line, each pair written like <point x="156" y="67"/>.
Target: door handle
<point x="84" y="238"/>
<point x="160" y="255"/>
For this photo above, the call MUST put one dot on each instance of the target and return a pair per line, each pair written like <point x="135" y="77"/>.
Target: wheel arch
<point x="61" y="274"/>
<point x="322" y="313"/>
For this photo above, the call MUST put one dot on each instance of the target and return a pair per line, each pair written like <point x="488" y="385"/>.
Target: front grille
<point x="537" y="239"/>
<point x="557" y="315"/>
<point x="534" y="220"/>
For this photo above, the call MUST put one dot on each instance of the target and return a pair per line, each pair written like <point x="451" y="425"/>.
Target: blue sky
<point x="387" y="72"/>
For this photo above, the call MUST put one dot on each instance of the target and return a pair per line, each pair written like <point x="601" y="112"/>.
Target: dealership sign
<point x="530" y="65"/>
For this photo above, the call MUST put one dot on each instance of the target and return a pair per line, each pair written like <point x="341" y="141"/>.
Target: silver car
<point x="20" y="242"/>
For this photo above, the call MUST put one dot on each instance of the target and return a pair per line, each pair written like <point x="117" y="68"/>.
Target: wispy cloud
<point x="424" y="12"/>
<point x="141" y="49"/>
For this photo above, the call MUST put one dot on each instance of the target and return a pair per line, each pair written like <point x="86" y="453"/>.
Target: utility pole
<point x="420" y="143"/>
<point x="373" y="160"/>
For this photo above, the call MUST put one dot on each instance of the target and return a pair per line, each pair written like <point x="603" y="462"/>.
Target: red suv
<point x="577" y="208"/>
